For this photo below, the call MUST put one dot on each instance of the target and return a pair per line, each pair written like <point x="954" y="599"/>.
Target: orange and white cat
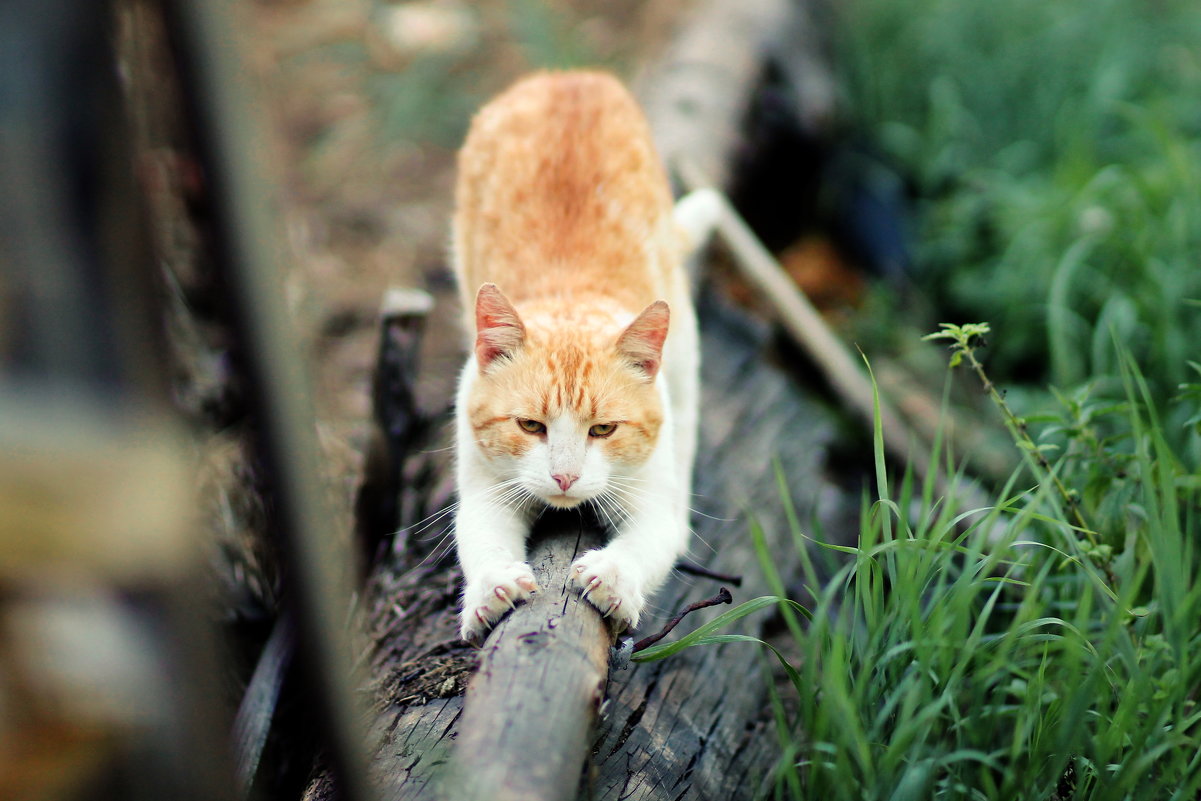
<point x="582" y="387"/>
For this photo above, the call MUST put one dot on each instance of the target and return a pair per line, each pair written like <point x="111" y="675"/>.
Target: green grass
<point x="997" y="655"/>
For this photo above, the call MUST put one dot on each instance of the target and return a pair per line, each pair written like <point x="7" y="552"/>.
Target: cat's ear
<point x="498" y="329"/>
<point x="642" y="341"/>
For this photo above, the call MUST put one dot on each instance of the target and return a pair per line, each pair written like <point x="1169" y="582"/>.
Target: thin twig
<point x="723" y="597"/>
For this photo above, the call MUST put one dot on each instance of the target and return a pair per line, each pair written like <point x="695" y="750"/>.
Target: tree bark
<point x="530" y="708"/>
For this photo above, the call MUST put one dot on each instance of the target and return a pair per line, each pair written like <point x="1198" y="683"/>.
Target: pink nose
<point x="564" y="480"/>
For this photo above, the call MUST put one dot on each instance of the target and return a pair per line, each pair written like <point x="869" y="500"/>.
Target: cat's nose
<point x="565" y="480"/>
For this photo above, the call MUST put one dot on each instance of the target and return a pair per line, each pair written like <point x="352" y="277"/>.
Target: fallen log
<point x="532" y="703"/>
<point x="694" y="726"/>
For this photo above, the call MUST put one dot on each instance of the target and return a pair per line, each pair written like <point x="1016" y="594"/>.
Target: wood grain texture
<point x="530" y="708"/>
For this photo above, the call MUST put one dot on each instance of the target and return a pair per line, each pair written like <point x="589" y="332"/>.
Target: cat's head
<point x="566" y="412"/>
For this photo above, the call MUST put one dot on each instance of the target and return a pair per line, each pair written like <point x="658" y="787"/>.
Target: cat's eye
<point x="602" y="429"/>
<point x="532" y="426"/>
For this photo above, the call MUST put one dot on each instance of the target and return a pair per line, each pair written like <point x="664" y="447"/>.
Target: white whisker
<point x="598" y="504"/>
<point x="427" y="522"/>
<point x="615" y="508"/>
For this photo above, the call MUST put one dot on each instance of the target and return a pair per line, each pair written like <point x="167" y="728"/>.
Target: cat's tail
<point x="697" y="215"/>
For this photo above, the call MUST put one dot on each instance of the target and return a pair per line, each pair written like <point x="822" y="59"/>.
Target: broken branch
<point x="723" y="597"/>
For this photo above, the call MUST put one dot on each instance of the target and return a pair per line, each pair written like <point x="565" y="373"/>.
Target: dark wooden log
<point x="530" y="708"/>
<point x="398" y="422"/>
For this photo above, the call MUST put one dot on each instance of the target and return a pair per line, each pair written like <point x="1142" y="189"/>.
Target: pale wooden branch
<point x="844" y="371"/>
<point x="799" y="317"/>
<point x="697" y="95"/>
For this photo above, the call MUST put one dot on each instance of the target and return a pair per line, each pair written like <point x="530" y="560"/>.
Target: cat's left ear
<point x="498" y="329"/>
<point x="642" y="341"/>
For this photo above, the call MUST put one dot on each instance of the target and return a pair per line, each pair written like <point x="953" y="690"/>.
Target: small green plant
<point x="964" y="340"/>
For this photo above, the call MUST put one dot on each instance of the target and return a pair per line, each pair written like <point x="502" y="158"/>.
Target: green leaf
<point x="697" y="637"/>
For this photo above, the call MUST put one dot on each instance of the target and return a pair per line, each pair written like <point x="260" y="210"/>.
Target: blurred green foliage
<point x="1054" y="149"/>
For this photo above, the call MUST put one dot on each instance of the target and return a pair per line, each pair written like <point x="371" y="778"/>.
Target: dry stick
<point x="807" y="328"/>
<point x="800" y="318"/>
<point x="723" y="597"/>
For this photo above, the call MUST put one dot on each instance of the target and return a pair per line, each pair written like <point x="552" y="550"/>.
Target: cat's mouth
<point x="562" y="501"/>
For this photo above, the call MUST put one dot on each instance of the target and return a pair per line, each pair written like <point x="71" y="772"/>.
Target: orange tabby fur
<point x="559" y="192"/>
<point x="569" y="264"/>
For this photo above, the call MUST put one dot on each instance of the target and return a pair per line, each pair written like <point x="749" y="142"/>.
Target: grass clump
<point x="999" y="653"/>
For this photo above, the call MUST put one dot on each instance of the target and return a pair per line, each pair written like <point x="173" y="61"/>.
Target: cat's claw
<point x="602" y="581"/>
<point x="491" y="595"/>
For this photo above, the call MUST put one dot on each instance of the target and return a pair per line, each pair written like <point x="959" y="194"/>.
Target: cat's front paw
<point x="492" y="594"/>
<point x="609" y="585"/>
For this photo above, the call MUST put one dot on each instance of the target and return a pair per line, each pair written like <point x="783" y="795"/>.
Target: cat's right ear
<point x="498" y="329"/>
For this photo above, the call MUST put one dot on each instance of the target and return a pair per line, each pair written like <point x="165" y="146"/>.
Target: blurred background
<point x="1034" y="165"/>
